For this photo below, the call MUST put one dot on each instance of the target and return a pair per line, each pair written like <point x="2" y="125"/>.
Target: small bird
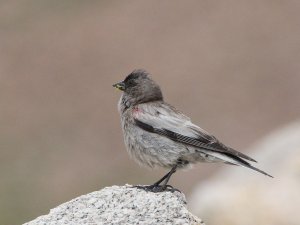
<point x="157" y="134"/>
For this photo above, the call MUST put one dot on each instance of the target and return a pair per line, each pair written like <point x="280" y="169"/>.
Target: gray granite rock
<point x="121" y="205"/>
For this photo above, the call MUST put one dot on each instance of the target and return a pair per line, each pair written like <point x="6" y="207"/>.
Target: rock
<point x="121" y="205"/>
<point x="238" y="196"/>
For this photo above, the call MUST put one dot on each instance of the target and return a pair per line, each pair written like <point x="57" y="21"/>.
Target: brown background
<point x="233" y="66"/>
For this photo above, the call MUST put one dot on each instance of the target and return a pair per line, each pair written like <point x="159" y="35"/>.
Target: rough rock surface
<point x="238" y="196"/>
<point x="121" y="205"/>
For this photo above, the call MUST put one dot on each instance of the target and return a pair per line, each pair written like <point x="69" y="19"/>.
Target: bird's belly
<point x="150" y="149"/>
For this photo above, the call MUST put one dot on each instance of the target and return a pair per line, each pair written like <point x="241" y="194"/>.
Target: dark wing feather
<point x="163" y="119"/>
<point x="196" y="142"/>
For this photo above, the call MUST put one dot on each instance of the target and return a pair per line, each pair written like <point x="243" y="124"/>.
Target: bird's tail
<point x="256" y="169"/>
<point x="235" y="160"/>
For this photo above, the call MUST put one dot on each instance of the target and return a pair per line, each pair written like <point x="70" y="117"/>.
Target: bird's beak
<point x="120" y="86"/>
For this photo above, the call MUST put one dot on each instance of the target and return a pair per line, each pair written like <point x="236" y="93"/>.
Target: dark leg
<point x="163" y="178"/>
<point x="156" y="187"/>
<point x="168" y="176"/>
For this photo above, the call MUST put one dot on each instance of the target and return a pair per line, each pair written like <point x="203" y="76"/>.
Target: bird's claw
<point x="157" y="188"/>
<point x="171" y="188"/>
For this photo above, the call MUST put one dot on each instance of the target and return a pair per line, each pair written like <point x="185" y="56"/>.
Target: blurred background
<point x="232" y="66"/>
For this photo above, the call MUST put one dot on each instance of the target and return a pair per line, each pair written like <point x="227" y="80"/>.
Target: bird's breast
<point x="149" y="149"/>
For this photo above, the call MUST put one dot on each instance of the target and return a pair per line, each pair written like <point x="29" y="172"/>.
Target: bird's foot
<point x="152" y="188"/>
<point x="157" y="188"/>
<point x="172" y="189"/>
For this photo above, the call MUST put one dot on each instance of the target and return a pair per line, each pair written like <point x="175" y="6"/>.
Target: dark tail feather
<point x="258" y="170"/>
<point x="244" y="163"/>
<point x="239" y="154"/>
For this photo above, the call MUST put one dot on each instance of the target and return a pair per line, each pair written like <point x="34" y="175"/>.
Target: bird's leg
<point x="168" y="176"/>
<point x="156" y="187"/>
<point x="162" y="179"/>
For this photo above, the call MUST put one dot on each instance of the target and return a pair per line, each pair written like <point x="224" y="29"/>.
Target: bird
<point x="156" y="134"/>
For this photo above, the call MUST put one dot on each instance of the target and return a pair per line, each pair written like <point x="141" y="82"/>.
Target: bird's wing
<point x="163" y="119"/>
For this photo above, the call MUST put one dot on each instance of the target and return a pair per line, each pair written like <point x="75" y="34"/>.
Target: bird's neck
<point x="126" y="101"/>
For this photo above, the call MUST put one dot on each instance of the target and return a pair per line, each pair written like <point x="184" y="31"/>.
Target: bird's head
<point x="138" y="88"/>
